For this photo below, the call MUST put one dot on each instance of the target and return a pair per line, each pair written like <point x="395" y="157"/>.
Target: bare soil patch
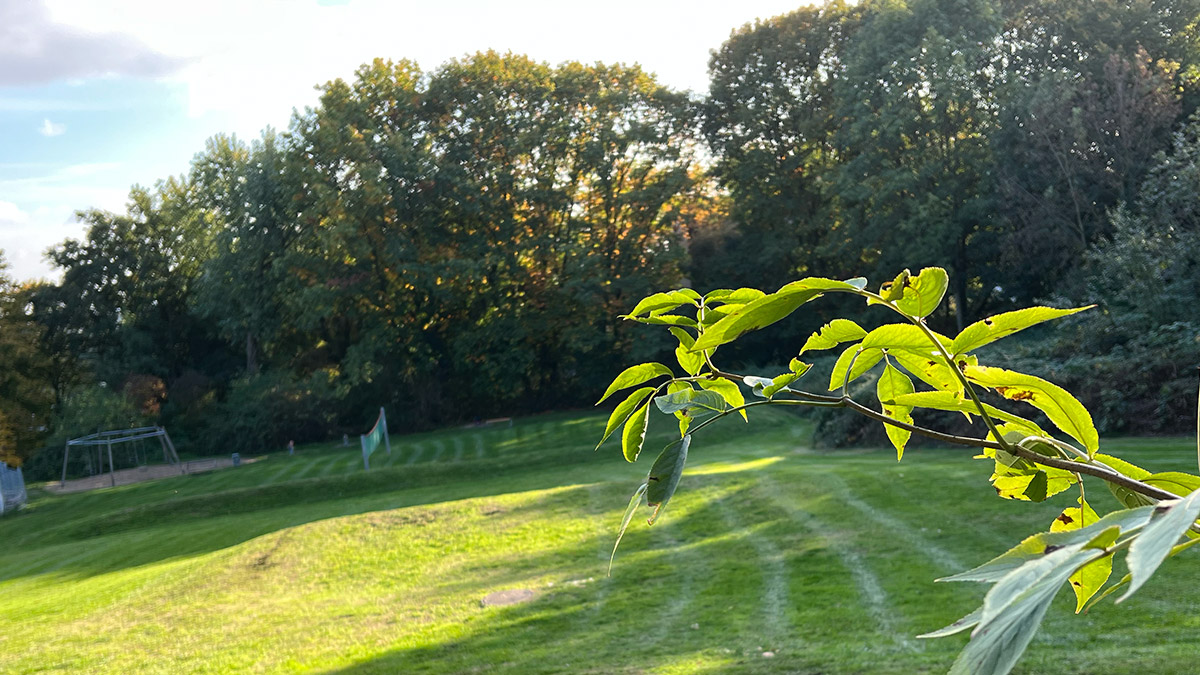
<point x="144" y="473"/>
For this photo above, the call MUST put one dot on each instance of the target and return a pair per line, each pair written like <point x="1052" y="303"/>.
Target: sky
<point x="99" y="95"/>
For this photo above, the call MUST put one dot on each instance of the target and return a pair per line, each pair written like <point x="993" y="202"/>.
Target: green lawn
<point x="306" y="563"/>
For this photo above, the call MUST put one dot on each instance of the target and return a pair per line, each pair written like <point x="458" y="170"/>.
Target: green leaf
<point x="865" y="361"/>
<point x="924" y="292"/>
<point x="1040" y="544"/>
<point x="968" y="621"/>
<point x="1013" y="610"/>
<point x="893" y="383"/>
<point x="691" y="362"/>
<point x="633" y="376"/>
<point x="1063" y="409"/>
<point x="1175" y="482"/>
<point x="1127" y="497"/>
<point x="661" y="302"/>
<point x="666" y="320"/>
<point x="728" y="391"/>
<point x="932" y="369"/>
<point x="1089" y="578"/>
<point x="1154" y="544"/>
<point x="798" y="367"/>
<point x="767" y="310"/>
<point x="993" y="328"/>
<point x="689" y="399"/>
<point x="945" y="400"/>
<point x="893" y="290"/>
<point x="904" y="336"/>
<point x="664" y="475"/>
<point x="740" y="296"/>
<point x="634" y="502"/>
<point x="621" y="413"/>
<point x="634" y="433"/>
<point x="832" y="334"/>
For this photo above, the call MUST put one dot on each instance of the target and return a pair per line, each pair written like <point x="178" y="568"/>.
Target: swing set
<point x="105" y="440"/>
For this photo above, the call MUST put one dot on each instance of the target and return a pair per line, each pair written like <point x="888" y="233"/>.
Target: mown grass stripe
<point x="417" y="451"/>
<point x="439" y="449"/>
<point x="480" y="449"/>
<point x="944" y="559"/>
<point x="774" y="572"/>
<point x="458" y="450"/>
<point x="307" y="467"/>
<point x="870" y="589"/>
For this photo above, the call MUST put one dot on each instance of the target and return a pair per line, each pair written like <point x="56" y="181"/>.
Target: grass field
<point x="772" y="558"/>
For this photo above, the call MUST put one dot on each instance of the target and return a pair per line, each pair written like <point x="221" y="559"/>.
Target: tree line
<point x="459" y="243"/>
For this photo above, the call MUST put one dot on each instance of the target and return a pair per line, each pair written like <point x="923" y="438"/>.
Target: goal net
<point x="374" y="438"/>
<point x="12" y="489"/>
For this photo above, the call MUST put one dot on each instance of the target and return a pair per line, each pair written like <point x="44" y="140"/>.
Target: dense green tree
<point x="26" y="393"/>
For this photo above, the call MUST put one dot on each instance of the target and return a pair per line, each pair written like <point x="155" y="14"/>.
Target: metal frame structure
<point x="108" y="438"/>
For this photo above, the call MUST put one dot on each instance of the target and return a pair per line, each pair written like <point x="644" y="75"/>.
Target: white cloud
<point x="49" y="128"/>
<point x="36" y="49"/>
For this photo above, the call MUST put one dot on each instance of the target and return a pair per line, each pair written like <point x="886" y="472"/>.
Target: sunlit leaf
<point x="945" y="400"/>
<point x="621" y="413"/>
<point x="1063" y="409"/>
<point x="1089" y="578"/>
<point x="865" y="361"/>
<point x="634" y="433"/>
<point x="633" y="376"/>
<point x="767" y="310"/>
<point x="996" y="327"/>
<point x="691" y="362"/>
<point x="893" y="383"/>
<point x="924" y="292"/>
<point x="905" y="336"/>
<point x="662" y="302"/>
<point x="689" y="399"/>
<point x="728" y="391"/>
<point x="832" y="334"/>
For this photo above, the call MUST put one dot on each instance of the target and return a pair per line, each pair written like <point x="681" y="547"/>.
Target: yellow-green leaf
<point x="905" y="336"/>
<point x="1063" y="409"/>
<point x="945" y="400"/>
<point x="634" y="434"/>
<point x="924" y="292"/>
<point x="893" y="383"/>
<point x="993" y="328"/>
<point x="1089" y="578"/>
<point x="728" y="391"/>
<point x="832" y="334"/>
<point x="633" y="376"/>
<point x="767" y="310"/>
<point x="865" y="361"/>
<point x="622" y="412"/>
<point x="690" y="362"/>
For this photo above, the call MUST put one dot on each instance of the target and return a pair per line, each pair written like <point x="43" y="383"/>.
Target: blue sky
<point x="99" y="95"/>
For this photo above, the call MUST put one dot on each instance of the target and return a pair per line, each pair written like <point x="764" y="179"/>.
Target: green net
<point x="378" y="435"/>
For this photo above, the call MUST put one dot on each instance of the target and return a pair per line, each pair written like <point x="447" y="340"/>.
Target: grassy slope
<point x="306" y="563"/>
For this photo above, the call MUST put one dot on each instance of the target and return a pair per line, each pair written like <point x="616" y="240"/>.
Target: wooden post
<point x="112" y="469"/>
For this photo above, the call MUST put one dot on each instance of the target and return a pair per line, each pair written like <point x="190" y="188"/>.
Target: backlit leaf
<point x="893" y="383"/>
<point x="1089" y="578"/>
<point x="832" y="334"/>
<point x="945" y="400"/>
<point x="1063" y="409"/>
<point x="691" y="362"/>
<point x="767" y="310"/>
<point x="634" y="433"/>
<point x="924" y="292"/>
<point x="996" y="327"/>
<point x="865" y="361"/>
<point x="633" y="376"/>
<point x="621" y="413"/>
<point x="905" y="336"/>
<point x="661" y="302"/>
<point x="728" y="391"/>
